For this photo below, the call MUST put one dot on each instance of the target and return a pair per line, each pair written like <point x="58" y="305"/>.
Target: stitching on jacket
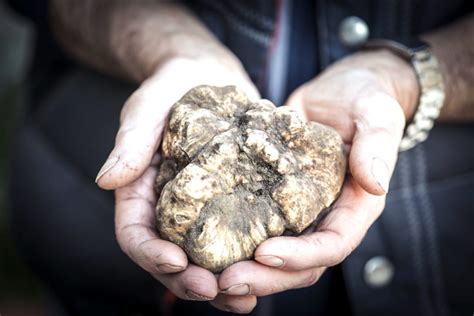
<point x="236" y="23"/>
<point x="427" y="215"/>
<point x="415" y="232"/>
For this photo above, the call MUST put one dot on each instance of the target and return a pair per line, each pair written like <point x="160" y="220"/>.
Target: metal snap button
<point x="378" y="271"/>
<point x="353" y="31"/>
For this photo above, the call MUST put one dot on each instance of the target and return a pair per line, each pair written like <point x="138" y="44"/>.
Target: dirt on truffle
<point x="236" y="173"/>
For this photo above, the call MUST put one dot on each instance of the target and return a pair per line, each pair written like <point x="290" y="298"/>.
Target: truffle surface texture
<point x="235" y="173"/>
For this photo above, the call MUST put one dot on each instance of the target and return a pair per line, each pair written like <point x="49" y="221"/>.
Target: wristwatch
<point x="430" y="80"/>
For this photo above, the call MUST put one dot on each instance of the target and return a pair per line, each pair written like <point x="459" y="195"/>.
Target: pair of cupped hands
<point x="367" y="97"/>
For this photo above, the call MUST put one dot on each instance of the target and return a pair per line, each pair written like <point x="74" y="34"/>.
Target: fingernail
<point x="380" y="173"/>
<point x="271" y="261"/>
<point x="197" y="297"/>
<point x="109" y="164"/>
<point x="169" y="268"/>
<point x="237" y="289"/>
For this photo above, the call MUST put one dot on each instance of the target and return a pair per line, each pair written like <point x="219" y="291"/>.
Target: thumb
<point x="141" y="125"/>
<point x="379" y="122"/>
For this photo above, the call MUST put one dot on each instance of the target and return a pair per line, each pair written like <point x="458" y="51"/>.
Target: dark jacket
<point x="424" y="235"/>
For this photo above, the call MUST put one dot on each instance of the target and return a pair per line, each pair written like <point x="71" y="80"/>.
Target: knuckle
<point x="314" y="241"/>
<point x="340" y="254"/>
<point x="341" y="251"/>
<point x="138" y="248"/>
<point x="344" y="249"/>
<point x="190" y="281"/>
<point x="349" y="247"/>
<point x="276" y="286"/>
<point x="123" y="245"/>
<point x="139" y="194"/>
<point x="124" y="239"/>
<point x="337" y="251"/>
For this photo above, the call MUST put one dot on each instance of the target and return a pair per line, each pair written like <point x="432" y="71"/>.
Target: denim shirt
<point x="424" y="236"/>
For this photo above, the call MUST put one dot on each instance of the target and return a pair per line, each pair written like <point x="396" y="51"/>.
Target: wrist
<point x="210" y="58"/>
<point x="396" y="76"/>
<point x="405" y="84"/>
<point x="184" y="73"/>
<point x="157" y="33"/>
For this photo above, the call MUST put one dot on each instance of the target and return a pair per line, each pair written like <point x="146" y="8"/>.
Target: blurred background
<point x="19" y="290"/>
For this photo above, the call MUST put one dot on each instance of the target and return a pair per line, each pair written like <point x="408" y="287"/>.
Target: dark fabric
<point x="64" y="224"/>
<point x="49" y="62"/>
<point x="248" y="28"/>
<point x="302" y="50"/>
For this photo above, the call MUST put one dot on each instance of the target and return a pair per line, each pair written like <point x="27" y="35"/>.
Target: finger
<point x="142" y="121"/>
<point x="137" y="236"/>
<point x="379" y="124"/>
<point x="295" y="101"/>
<point x="235" y="304"/>
<point x="135" y="228"/>
<point x="194" y="283"/>
<point x="253" y="278"/>
<point x="337" y="236"/>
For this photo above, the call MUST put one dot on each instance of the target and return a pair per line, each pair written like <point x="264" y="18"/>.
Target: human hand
<point x="367" y="98"/>
<point x="132" y="166"/>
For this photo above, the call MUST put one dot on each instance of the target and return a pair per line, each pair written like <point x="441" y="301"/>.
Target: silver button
<point x="353" y="31"/>
<point x="378" y="271"/>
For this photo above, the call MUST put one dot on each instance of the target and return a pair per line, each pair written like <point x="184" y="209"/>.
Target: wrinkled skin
<point x="236" y="173"/>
